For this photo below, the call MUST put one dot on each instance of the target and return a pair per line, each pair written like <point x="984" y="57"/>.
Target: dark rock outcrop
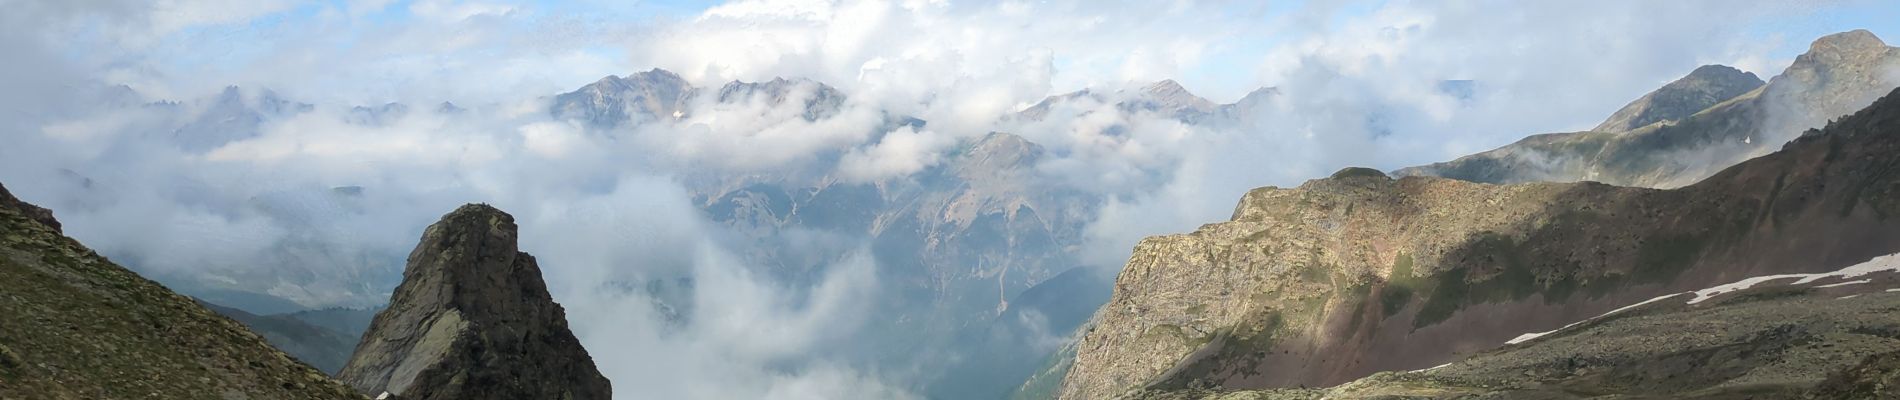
<point x="73" y="325"/>
<point x="36" y="213"/>
<point x="473" y="320"/>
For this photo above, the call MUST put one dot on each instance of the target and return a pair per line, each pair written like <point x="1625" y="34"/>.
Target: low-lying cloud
<point x="321" y="210"/>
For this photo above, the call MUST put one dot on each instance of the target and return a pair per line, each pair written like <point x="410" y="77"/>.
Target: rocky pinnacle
<point x="472" y="319"/>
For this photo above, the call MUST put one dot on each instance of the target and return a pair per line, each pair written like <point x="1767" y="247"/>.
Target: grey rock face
<point x="614" y="101"/>
<point x="473" y="320"/>
<point x="820" y="100"/>
<point x="1703" y="88"/>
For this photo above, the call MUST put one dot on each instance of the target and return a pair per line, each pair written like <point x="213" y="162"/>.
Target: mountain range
<point x="1691" y="128"/>
<point x="1358" y="273"/>
<point x="1554" y="266"/>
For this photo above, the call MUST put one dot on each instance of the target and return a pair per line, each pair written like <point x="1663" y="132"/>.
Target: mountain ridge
<point x="1841" y="73"/>
<point x="1328" y="282"/>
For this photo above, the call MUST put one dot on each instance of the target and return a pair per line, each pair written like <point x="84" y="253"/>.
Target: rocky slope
<point x="473" y="320"/>
<point x="73" y="325"/>
<point x="323" y="348"/>
<point x="1663" y="141"/>
<point x="1831" y="337"/>
<point x="1358" y="273"/>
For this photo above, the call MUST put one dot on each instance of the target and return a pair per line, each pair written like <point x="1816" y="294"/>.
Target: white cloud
<point x="1357" y="88"/>
<point x="902" y="152"/>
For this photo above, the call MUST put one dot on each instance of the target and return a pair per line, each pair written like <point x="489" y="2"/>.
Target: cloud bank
<point x="323" y="207"/>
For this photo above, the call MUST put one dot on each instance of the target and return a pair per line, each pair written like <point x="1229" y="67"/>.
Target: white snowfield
<point x="1886" y="263"/>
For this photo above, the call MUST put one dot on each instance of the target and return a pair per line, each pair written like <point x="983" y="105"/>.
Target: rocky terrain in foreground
<point x="473" y="320"/>
<point x="1359" y="273"/>
<point x="74" y="325"/>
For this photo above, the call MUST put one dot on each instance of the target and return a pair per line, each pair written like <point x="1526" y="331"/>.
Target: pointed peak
<point x="1721" y="73"/>
<point x="1165" y="86"/>
<point x="1716" y="69"/>
<point x="655" y="74"/>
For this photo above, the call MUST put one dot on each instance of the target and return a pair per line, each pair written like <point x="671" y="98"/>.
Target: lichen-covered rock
<point x="472" y="319"/>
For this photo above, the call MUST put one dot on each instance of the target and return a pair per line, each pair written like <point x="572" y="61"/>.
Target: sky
<point x="1360" y="85"/>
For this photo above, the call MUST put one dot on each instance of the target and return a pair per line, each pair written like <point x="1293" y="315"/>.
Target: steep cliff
<point x="73" y="325"/>
<point x="1358" y="273"/>
<point x="472" y="320"/>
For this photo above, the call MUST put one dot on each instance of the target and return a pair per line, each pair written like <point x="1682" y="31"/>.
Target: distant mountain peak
<point x="1702" y="88"/>
<point x="1164" y="87"/>
<point x="613" y="101"/>
<point x="1169" y="96"/>
<point x="1857" y="40"/>
<point x="999" y="151"/>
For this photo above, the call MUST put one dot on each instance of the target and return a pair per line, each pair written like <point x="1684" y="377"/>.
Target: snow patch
<point x="1528" y="336"/>
<point x="1886" y="263"/>
<point x="1432" y="368"/>
<point x="1845" y="283"/>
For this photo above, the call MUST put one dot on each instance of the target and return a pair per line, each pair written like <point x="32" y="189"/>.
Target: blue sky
<point x="1226" y="67"/>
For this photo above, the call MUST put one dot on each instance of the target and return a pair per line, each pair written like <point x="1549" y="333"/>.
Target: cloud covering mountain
<point x="302" y="184"/>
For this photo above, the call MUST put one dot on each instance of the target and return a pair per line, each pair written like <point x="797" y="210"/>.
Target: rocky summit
<point x="1703" y="88"/>
<point x="472" y="319"/>
<point x="74" y="325"/>
<point x="1359" y="273"/>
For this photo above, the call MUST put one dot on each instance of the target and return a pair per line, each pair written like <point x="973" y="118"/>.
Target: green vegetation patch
<point x="1452" y="290"/>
